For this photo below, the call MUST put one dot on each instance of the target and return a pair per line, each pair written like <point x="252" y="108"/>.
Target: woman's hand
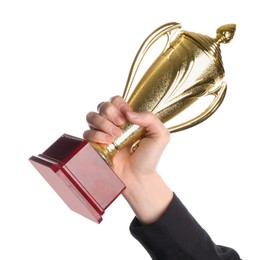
<point x="146" y="192"/>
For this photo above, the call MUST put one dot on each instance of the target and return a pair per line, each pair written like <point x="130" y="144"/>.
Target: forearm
<point x="177" y="235"/>
<point x="148" y="196"/>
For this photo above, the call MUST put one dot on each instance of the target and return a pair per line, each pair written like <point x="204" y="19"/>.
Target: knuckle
<point x="90" y="135"/>
<point x="103" y="106"/>
<point x="86" y="135"/>
<point x="99" y="105"/>
<point x="117" y="101"/>
<point x="148" y="117"/>
<point x="90" y="116"/>
<point x="166" y="135"/>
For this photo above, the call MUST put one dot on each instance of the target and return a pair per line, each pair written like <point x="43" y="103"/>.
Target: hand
<point x="136" y="170"/>
<point x="105" y="126"/>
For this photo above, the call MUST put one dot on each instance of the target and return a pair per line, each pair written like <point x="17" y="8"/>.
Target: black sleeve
<point x="178" y="236"/>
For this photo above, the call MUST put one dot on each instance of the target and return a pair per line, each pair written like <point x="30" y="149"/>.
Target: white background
<point x="59" y="59"/>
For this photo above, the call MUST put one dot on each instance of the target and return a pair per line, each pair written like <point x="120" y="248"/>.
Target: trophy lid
<point x="224" y="34"/>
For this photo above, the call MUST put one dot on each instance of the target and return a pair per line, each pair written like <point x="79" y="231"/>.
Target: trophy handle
<point x="165" y="29"/>
<point x="219" y="94"/>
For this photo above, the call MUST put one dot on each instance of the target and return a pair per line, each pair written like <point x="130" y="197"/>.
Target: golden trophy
<point x="188" y="69"/>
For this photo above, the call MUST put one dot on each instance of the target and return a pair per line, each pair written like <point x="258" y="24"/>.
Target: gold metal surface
<point x="189" y="68"/>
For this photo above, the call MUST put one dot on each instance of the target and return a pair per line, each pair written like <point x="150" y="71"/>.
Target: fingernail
<point x="119" y="120"/>
<point x="109" y="138"/>
<point x="116" y="131"/>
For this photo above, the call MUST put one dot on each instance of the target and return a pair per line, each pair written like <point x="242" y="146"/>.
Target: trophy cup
<point x="189" y="68"/>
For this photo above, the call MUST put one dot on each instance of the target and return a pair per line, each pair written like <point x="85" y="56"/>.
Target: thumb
<point x="153" y="126"/>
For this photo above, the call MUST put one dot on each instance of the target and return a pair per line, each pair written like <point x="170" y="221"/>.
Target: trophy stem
<point x="131" y="134"/>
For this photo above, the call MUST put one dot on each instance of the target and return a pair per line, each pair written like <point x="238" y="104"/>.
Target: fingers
<point x="102" y="130"/>
<point x="110" y="112"/>
<point x="105" y="125"/>
<point x="121" y="104"/>
<point x="98" y="136"/>
<point x="114" y="110"/>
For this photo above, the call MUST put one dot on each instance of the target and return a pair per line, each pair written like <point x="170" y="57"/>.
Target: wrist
<point x="148" y="196"/>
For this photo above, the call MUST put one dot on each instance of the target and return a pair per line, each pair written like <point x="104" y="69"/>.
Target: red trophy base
<point x="79" y="175"/>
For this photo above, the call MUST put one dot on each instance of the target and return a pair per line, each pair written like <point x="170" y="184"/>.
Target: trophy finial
<point x="225" y="33"/>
